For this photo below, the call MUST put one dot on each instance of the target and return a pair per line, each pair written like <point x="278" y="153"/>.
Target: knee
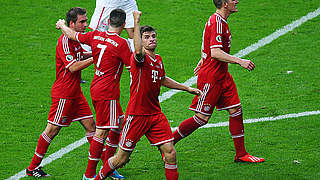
<point x="170" y="155"/>
<point x="102" y="133"/>
<point x="91" y="125"/>
<point x="119" y="160"/>
<point x="237" y="110"/>
<point x="203" y="117"/>
<point x="52" y="130"/>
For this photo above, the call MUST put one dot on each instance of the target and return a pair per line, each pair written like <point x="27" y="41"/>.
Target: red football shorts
<point x="108" y="113"/>
<point x="155" y="127"/>
<point x="223" y="95"/>
<point x="65" y="111"/>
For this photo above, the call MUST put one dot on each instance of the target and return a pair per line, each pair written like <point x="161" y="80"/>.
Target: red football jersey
<point x="145" y="86"/>
<point x="216" y="34"/>
<point x="110" y="52"/>
<point x="67" y="84"/>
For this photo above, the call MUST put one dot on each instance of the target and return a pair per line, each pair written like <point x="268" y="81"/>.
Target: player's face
<point x="81" y="24"/>
<point x="149" y="40"/>
<point x="232" y="6"/>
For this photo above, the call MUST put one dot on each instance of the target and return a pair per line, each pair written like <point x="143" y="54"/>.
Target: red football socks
<point x="237" y="132"/>
<point x="41" y="150"/>
<point x="95" y="150"/>
<point x="89" y="136"/>
<point x="106" y="170"/>
<point x="171" y="171"/>
<point x="112" y="144"/>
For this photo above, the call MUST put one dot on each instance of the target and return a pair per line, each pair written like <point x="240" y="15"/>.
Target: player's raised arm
<point x="70" y="33"/>
<point x="172" y="84"/>
<point x="139" y="52"/>
<point x="220" y="55"/>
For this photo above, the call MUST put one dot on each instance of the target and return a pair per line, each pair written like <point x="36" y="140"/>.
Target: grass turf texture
<point x="28" y="71"/>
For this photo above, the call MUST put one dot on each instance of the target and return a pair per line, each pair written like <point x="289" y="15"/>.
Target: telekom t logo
<point x="154" y="75"/>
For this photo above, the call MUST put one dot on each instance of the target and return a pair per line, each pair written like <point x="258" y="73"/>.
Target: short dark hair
<point x="218" y="3"/>
<point x="72" y="14"/>
<point x="117" y="17"/>
<point x="146" y="28"/>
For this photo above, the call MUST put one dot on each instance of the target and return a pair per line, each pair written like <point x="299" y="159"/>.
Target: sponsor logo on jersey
<point x="206" y="107"/>
<point x="218" y="38"/>
<point x="69" y="57"/>
<point x="154" y="75"/>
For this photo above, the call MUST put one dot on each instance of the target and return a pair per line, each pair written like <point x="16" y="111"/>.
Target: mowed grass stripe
<point x="192" y="81"/>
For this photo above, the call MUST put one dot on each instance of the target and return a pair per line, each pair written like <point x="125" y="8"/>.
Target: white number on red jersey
<point x="103" y="48"/>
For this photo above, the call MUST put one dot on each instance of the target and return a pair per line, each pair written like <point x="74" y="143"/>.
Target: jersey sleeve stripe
<point x="215" y="46"/>
<point x="65" y="44"/>
<point x="120" y="65"/>
<point x="131" y="50"/>
<point x="219" y="25"/>
<point x="77" y="36"/>
<point x="70" y="64"/>
<point x="100" y="18"/>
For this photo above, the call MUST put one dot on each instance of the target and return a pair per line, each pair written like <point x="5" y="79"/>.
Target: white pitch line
<point x="192" y="81"/>
<point x="248" y="121"/>
<point x="262" y="42"/>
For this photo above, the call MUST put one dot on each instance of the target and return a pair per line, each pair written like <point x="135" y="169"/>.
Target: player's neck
<point x="223" y="13"/>
<point x="114" y="30"/>
<point x="151" y="53"/>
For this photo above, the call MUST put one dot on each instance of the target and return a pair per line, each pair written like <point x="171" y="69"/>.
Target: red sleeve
<point x="65" y="52"/>
<point x="125" y="53"/>
<point x="163" y="72"/>
<point x="215" y="29"/>
<point x="85" y="38"/>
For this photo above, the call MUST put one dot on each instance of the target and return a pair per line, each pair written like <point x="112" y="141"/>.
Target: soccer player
<point x="68" y="102"/>
<point x="99" y="19"/>
<point x="110" y="53"/>
<point x="219" y="89"/>
<point x="143" y="115"/>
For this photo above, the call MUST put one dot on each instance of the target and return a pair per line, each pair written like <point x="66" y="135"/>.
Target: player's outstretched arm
<point x="70" y="33"/>
<point x="220" y="55"/>
<point x="172" y="84"/>
<point x="79" y="65"/>
<point x="139" y="52"/>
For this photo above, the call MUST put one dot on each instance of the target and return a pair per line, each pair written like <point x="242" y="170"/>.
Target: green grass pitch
<point x="27" y="71"/>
